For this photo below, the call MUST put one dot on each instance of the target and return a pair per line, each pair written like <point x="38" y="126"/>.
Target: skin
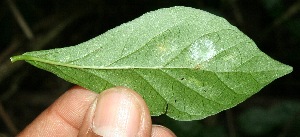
<point x="79" y="112"/>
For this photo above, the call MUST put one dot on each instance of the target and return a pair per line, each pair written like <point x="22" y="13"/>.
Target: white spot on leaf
<point x="202" y="50"/>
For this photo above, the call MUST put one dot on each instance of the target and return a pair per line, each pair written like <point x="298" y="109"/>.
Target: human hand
<point x="116" y="112"/>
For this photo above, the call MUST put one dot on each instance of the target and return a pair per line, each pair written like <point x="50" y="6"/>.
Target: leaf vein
<point x="191" y="88"/>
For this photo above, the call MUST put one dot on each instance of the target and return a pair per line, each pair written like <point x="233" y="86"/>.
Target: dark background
<point x="25" y="91"/>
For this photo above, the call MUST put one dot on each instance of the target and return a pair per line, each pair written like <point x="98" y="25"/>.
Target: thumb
<point x="117" y="112"/>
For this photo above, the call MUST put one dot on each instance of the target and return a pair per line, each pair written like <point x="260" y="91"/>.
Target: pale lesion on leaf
<point x="161" y="48"/>
<point x="197" y="67"/>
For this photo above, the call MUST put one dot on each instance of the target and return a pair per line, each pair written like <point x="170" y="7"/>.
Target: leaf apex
<point x="17" y="58"/>
<point x="289" y="69"/>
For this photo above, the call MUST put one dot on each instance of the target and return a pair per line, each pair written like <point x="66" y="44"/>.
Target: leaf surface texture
<point x="186" y="63"/>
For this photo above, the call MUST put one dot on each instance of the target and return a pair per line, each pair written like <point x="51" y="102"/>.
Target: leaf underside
<point x="186" y="63"/>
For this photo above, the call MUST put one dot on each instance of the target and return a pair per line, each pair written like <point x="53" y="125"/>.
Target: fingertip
<point x="118" y="111"/>
<point x="64" y="116"/>
<point x="161" y="131"/>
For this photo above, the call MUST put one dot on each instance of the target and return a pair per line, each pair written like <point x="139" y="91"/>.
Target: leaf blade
<point x="186" y="63"/>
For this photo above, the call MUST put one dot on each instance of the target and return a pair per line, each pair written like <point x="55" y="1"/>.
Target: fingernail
<point x="117" y="113"/>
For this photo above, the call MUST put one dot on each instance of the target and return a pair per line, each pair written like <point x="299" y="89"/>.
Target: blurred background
<point x="27" y="25"/>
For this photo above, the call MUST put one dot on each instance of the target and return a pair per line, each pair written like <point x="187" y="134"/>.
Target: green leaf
<point x="186" y="63"/>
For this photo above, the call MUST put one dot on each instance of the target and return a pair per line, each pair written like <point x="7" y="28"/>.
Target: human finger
<point x="64" y="116"/>
<point x="120" y="112"/>
<point x="161" y="131"/>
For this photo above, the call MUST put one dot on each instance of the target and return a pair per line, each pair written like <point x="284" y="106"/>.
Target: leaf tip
<point x="286" y="70"/>
<point x="289" y="69"/>
<point x="16" y="58"/>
